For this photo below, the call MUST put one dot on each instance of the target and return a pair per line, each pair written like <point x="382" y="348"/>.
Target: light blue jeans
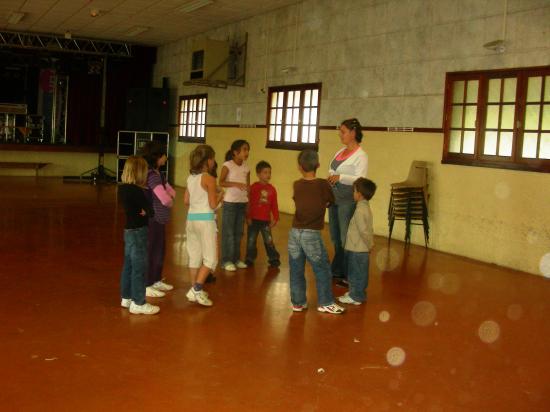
<point x="307" y="244"/>
<point x="132" y="278"/>
<point x="358" y="274"/>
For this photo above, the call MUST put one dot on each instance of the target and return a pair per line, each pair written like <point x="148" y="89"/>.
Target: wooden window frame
<point x="192" y="138"/>
<point x="515" y="161"/>
<point x="286" y="145"/>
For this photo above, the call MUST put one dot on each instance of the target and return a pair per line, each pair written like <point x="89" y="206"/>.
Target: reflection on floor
<point x="439" y="332"/>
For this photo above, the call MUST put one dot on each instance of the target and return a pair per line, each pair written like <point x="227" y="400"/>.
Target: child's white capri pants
<point x="202" y="243"/>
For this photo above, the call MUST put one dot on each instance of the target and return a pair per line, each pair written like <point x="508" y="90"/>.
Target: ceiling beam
<point x="52" y="42"/>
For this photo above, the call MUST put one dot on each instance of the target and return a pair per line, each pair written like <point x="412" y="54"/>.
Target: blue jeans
<point x="132" y="278"/>
<point x="233" y="216"/>
<point x="358" y="274"/>
<point x="307" y="244"/>
<point x="339" y="217"/>
<point x="260" y="226"/>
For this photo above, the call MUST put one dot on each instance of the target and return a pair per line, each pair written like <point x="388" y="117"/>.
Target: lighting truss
<point x="52" y="42"/>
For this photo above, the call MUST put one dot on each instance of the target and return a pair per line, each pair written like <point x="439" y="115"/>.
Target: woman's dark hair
<point x="199" y="157"/>
<point x="235" y="147"/>
<point x="353" y="124"/>
<point x="262" y="164"/>
<point x="366" y="187"/>
<point x="152" y="152"/>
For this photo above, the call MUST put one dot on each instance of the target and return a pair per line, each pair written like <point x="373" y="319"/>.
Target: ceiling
<point x="115" y="19"/>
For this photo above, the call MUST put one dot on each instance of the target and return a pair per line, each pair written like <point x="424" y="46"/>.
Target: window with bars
<point x="293" y="116"/>
<point x="498" y="118"/>
<point x="192" y="118"/>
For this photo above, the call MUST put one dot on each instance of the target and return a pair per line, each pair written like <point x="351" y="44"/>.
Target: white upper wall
<point x="383" y="61"/>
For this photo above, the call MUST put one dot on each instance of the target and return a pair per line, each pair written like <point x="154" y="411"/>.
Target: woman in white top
<point x="348" y="164"/>
<point x="235" y="177"/>
<point x="202" y="197"/>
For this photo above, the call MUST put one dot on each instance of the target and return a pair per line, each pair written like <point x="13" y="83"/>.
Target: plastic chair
<point x="409" y="201"/>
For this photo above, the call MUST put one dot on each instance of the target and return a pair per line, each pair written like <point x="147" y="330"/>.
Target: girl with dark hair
<point x="347" y="165"/>
<point x="161" y="195"/>
<point x="235" y="177"/>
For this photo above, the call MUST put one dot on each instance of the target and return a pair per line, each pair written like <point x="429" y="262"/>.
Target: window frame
<point x="189" y="98"/>
<point x="478" y="158"/>
<point x="285" y="145"/>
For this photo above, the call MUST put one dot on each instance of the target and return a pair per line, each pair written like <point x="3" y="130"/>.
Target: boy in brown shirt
<point x="311" y="196"/>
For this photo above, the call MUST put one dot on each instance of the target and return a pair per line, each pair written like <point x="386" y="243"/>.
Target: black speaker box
<point x="147" y="110"/>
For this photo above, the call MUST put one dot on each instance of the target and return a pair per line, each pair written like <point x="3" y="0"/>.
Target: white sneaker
<point x="299" y="308"/>
<point x="145" y="309"/>
<point x="160" y="285"/>
<point x="151" y="292"/>
<point x="201" y="297"/>
<point x="125" y="303"/>
<point x="191" y="296"/>
<point x="230" y="267"/>
<point x="346" y="298"/>
<point x="241" y="264"/>
<point x="334" y="309"/>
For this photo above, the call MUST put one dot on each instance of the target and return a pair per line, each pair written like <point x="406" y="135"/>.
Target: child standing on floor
<point x="311" y="196"/>
<point x="138" y="211"/>
<point x="162" y="197"/>
<point x="235" y="176"/>
<point x="262" y="205"/>
<point x="202" y="197"/>
<point x="359" y="242"/>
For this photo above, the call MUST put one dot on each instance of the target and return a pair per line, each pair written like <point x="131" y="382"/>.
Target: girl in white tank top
<point x="202" y="197"/>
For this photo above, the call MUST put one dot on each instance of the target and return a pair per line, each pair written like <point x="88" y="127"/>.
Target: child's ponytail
<point x="235" y="147"/>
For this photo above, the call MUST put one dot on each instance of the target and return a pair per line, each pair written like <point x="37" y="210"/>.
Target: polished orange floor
<point x="439" y="332"/>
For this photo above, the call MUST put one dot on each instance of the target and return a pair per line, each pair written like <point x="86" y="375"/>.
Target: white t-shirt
<point x="236" y="174"/>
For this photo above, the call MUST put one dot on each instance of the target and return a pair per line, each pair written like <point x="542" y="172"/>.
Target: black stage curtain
<point x="84" y="103"/>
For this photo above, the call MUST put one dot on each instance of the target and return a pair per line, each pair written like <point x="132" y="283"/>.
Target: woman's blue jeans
<point x="233" y="217"/>
<point x="307" y="244"/>
<point x="132" y="278"/>
<point x="339" y="217"/>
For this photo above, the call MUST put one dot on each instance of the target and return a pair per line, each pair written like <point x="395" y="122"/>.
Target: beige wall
<point x="62" y="163"/>
<point x="384" y="62"/>
<point x="493" y="215"/>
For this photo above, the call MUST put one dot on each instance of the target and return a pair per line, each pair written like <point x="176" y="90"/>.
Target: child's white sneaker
<point x="151" y="292"/>
<point x="299" y="308"/>
<point x="230" y="267"/>
<point x="346" y="298"/>
<point x="241" y="264"/>
<point x="201" y="297"/>
<point x="191" y="296"/>
<point x="160" y="285"/>
<point x="334" y="309"/>
<point x="145" y="309"/>
<point x="125" y="303"/>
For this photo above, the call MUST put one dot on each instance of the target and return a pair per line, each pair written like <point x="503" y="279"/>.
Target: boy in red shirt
<point x="262" y="205"/>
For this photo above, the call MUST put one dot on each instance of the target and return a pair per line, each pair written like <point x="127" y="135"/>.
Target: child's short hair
<point x="135" y="171"/>
<point x="262" y="164"/>
<point x="198" y="157"/>
<point x="366" y="187"/>
<point x="308" y="160"/>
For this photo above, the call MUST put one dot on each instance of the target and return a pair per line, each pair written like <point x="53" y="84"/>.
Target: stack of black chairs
<point x="409" y="201"/>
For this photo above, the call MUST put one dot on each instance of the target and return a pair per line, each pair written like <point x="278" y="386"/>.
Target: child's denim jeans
<point x="307" y="244"/>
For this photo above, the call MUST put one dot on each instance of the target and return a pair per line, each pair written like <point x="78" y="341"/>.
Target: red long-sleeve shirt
<point x="263" y="202"/>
